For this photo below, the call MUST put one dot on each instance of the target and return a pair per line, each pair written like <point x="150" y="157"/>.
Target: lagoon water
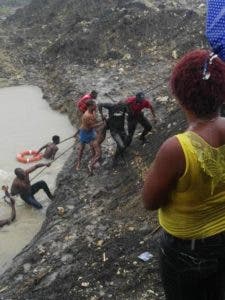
<point x="26" y="122"/>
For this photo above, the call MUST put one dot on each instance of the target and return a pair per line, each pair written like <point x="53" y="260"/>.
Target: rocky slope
<point x="119" y="47"/>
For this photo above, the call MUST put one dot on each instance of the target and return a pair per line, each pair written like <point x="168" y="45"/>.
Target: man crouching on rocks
<point x="87" y="135"/>
<point x="21" y="185"/>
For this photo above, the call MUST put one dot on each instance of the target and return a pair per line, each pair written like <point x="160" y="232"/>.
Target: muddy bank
<point x="91" y="251"/>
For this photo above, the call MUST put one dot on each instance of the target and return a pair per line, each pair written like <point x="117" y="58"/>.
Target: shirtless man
<point x="51" y="148"/>
<point x="87" y="135"/>
<point x="12" y="204"/>
<point x="21" y="185"/>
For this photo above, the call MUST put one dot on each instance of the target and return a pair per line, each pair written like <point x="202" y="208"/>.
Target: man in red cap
<point x="135" y="115"/>
<point x="82" y="102"/>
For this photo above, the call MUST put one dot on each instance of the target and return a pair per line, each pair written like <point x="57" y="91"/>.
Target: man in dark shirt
<point x="21" y="185"/>
<point x="135" y="115"/>
<point x="115" y="123"/>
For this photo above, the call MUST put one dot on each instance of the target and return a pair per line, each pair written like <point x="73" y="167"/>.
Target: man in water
<point x="21" y="185"/>
<point x="135" y="115"/>
<point x="51" y="148"/>
<point x="115" y="123"/>
<point x="12" y="204"/>
<point x="87" y="135"/>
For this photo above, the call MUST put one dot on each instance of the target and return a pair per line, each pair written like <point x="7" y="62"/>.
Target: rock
<point x="67" y="258"/>
<point x="26" y="267"/>
<point x="126" y="56"/>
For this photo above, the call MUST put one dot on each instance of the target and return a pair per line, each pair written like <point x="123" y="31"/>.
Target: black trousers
<point x="133" y="120"/>
<point x="30" y="199"/>
<point x="193" y="269"/>
<point x="120" y="137"/>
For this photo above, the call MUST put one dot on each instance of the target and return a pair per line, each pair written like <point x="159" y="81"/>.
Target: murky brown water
<point x="26" y="122"/>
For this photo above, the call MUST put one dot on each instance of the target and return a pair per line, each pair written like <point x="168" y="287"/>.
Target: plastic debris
<point x="145" y="256"/>
<point x="3" y="289"/>
<point x="85" y="284"/>
<point x="60" y="210"/>
<point x="104" y="258"/>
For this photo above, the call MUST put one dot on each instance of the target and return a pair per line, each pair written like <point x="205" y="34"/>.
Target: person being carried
<point x="50" y="148"/>
<point x="135" y="115"/>
<point x="82" y="102"/>
<point x="115" y="123"/>
<point x="12" y="204"/>
<point x="87" y="135"/>
<point x="21" y="185"/>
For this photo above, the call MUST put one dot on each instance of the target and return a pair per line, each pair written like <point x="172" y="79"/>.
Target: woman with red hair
<point x="186" y="183"/>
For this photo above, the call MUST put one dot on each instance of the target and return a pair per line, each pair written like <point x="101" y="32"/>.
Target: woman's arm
<point x="168" y="167"/>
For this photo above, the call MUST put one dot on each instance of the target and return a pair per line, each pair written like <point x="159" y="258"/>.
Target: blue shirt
<point x="215" y="26"/>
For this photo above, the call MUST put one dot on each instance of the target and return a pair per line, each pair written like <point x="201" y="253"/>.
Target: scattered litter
<point x="41" y="250"/>
<point x="60" y="210"/>
<point x="174" y="54"/>
<point x="152" y="292"/>
<point x="100" y="243"/>
<point x="145" y="256"/>
<point x="104" y="258"/>
<point x="3" y="289"/>
<point x="85" y="284"/>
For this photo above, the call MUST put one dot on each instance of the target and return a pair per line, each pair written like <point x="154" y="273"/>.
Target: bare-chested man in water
<point x="51" y="148"/>
<point x="87" y="135"/>
<point x="21" y="185"/>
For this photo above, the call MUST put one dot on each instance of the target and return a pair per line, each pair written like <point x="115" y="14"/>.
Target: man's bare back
<point x="50" y="151"/>
<point x="21" y="186"/>
<point x="50" y="148"/>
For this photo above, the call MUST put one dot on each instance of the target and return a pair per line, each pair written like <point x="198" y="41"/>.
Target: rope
<point x="66" y="139"/>
<point x="110" y="97"/>
<point x="153" y="232"/>
<point x="4" y="197"/>
<point x="52" y="162"/>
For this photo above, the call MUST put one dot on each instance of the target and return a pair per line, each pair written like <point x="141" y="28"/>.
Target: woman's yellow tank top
<point x="196" y="208"/>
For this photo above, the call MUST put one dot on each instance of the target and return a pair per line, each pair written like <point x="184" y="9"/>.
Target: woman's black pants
<point x="193" y="269"/>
